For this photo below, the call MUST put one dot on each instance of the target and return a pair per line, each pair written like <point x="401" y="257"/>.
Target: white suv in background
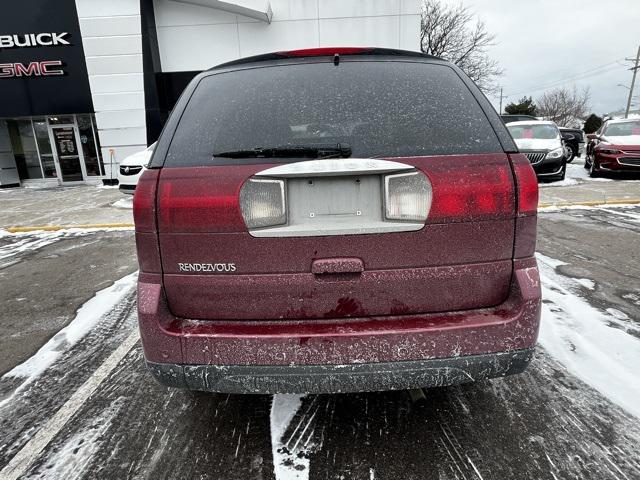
<point x="131" y="169"/>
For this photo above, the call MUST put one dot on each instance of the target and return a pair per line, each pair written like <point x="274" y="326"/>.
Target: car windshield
<point x="623" y="129"/>
<point x="540" y="132"/>
<point x="378" y="109"/>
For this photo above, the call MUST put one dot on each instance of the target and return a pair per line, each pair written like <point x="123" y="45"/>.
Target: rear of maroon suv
<point x="335" y="220"/>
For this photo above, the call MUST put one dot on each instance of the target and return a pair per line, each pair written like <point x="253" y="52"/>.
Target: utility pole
<point x="633" y="82"/>
<point x="500" y="112"/>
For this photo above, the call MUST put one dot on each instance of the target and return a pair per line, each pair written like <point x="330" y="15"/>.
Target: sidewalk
<point x="579" y="188"/>
<point x="77" y="205"/>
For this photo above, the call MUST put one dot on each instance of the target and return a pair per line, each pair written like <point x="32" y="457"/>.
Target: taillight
<point x="527" y="220"/>
<point x="407" y="196"/>
<point x="144" y="201"/>
<point x="201" y="200"/>
<point x="471" y="188"/>
<point x="527" y="185"/>
<point x="262" y="202"/>
<point x="144" y="215"/>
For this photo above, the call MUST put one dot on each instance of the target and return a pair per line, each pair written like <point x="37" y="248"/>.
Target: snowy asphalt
<point x="84" y="406"/>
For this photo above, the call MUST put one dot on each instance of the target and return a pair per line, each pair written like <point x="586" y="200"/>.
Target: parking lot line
<point x="591" y="203"/>
<point x="20" y="463"/>
<point x="53" y="228"/>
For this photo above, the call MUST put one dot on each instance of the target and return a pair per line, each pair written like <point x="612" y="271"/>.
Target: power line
<point x="581" y="76"/>
<point x="590" y="69"/>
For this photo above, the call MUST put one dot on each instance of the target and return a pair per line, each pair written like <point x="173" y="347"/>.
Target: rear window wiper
<point x="340" y="150"/>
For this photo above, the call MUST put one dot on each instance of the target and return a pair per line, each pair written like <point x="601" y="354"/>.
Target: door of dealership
<point x="60" y="149"/>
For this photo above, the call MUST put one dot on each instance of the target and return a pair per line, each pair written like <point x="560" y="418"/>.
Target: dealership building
<point x="86" y="83"/>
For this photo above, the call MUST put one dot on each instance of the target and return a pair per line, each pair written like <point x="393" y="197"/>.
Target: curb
<point x="591" y="203"/>
<point x="53" y="228"/>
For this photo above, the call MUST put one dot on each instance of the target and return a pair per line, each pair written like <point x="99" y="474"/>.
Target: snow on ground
<point x="72" y="459"/>
<point x="86" y="318"/>
<point x="288" y="465"/>
<point x="126" y="202"/>
<point x="576" y="174"/>
<point x="617" y="207"/>
<point x="592" y="344"/>
<point x="586" y="283"/>
<point x="35" y="240"/>
<point x="28" y="242"/>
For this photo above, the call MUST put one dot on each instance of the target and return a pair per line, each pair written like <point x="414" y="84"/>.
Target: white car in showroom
<point x="131" y="169"/>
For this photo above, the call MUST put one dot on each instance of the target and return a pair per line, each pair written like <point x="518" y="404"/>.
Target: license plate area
<point x="340" y="197"/>
<point x="323" y="201"/>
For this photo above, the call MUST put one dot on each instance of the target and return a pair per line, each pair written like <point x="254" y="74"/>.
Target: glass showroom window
<point x="90" y="148"/>
<point x="24" y="148"/>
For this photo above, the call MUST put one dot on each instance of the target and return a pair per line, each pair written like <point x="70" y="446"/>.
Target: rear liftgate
<point x="337" y="238"/>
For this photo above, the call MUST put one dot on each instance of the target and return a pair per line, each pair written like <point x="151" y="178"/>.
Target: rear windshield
<point x="380" y="109"/>
<point x="541" y="132"/>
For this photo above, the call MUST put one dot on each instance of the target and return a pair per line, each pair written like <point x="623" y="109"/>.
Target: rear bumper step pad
<point x="272" y="379"/>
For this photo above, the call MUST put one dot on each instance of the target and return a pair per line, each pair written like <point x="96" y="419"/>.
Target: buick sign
<point x="33" y="40"/>
<point x="44" y="68"/>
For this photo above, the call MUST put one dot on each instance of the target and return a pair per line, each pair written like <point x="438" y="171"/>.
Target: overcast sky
<point x="546" y="43"/>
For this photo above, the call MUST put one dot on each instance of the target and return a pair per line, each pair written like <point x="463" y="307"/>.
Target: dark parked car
<point x="575" y="139"/>
<point x="614" y="148"/>
<point x="335" y="220"/>
<point x="517" y="118"/>
<point x="542" y="143"/>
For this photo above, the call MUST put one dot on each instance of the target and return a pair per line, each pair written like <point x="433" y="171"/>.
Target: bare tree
<point x="455" y="34"/>
<point x="564" y="106"/>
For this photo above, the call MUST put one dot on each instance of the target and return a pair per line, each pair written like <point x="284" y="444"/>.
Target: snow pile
<point x="126" y="203"/>
<point x="593" y="345"/>
<point x="288" y="465"/>
<point x="86" y="318"/>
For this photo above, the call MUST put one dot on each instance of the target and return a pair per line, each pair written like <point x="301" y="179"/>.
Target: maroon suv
<point x="334" y="220"/>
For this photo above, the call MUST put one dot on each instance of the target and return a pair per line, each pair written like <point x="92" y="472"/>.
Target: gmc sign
<point x="33" y="69"/>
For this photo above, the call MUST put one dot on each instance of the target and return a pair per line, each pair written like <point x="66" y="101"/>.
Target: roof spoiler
<point x="325" y="52"/>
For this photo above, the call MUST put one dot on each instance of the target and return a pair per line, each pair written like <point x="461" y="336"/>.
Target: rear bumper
<point x="375" y="353"/>
<point x="271" y="379"/>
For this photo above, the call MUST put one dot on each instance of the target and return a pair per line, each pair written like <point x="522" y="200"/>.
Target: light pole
<point x="633" y="82"/>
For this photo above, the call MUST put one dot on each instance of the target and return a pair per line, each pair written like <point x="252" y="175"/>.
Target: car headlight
<point x="555" y="154"/>
<point x="262" y="203"/>
<point x="608" y="151"/>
